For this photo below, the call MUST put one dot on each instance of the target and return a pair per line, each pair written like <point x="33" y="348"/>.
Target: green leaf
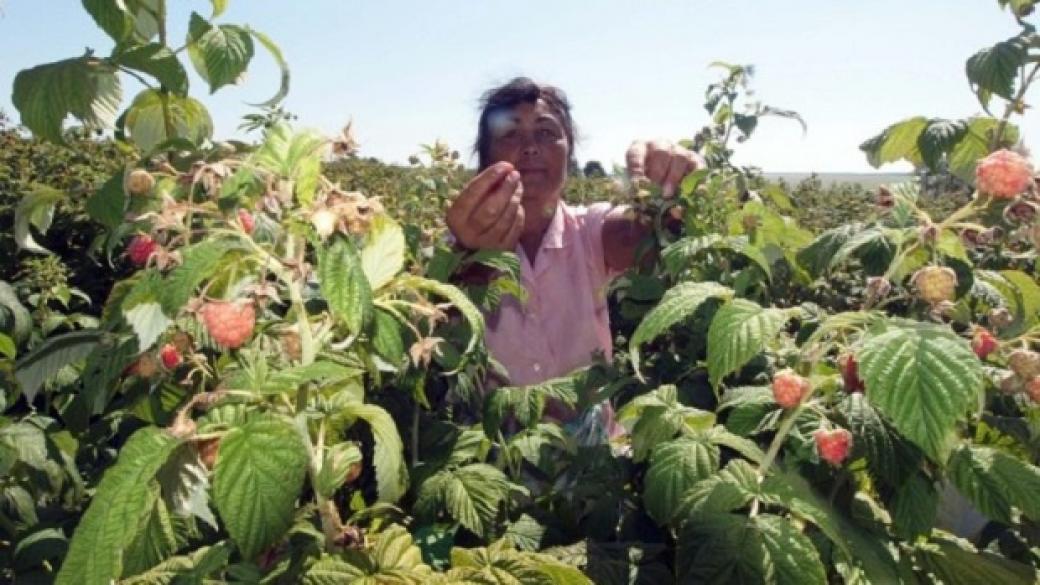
<point x="924" y="378"/>
<point x="914" y="507"/>
<point x="732" y="548"/>
<point x="525" y="404"/>
<point x="1021" y="294"/>
<point x="158" y="61"/>
<point x="198" y="263"/>
<point x="283" y="66"/>
<point x="85" y="88"/>
<point x="679" y="254"/>
<point x="956" y="562"/>
<point x="44" y="361"/>
<point x="898" y="142"/>
<point x="388" y="337"/>
<point x="194" y="567"/>
<point x="388" y="454"/>
<point x="108" y="204"/>
<point x="258" y="476"/>
<point x="889" y="457"/>
<point x="220" y="53"/>
<point x="974" y="145"/>
<point x="937" y="139"/>
<point x="35" y="209"/>
<point x="126" y="21"/>
<point x="657" y="417"/>
<point x="292" y="156"/>
<point x="993" y="70"/>
<point x="675" y="467"/>
<point x="336" y="465"/>
<point x="995" y="481"/>
<point x="469" y="311"/>
<point x="22" y="323"/>
<point x="156" y="117"/>
<point x="344" y="284"/>
<point x="148" y="322"/>
<point x="219" y="6"/>
<point x="678" y="303"/>
<point x="738" y="332"/>
<point x="471" y="495"/>
<point x="816" y="258"/>
<point x="155" y="539"/>
<point x="122" y="499"/>
<point x="382" y="256"/>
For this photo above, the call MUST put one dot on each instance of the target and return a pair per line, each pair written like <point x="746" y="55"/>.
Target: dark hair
<point x="517" y="91"/>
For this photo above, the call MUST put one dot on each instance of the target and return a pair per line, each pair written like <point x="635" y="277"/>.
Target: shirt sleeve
<point x="592" y="232"/>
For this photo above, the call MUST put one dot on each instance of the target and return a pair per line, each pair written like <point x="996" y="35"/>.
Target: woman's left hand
<point x="662" y="163"/>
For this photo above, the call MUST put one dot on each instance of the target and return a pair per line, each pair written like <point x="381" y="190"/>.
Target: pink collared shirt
<point x="565" y="319"/>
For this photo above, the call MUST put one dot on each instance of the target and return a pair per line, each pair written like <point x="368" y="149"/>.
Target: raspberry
<point x="983" y="343"/>
<point x="885" y="199"/>
<point x="850" y="373"/>
<point x="139" y="182"/>
<point x="141" y="249"/>
<point x="935" y="284"/>
<point x="1024" y="363"/>
<point x="1020" y="212"/>
<point x="171" y="358"/>
<point x="1033" y="389"/>
<point x="833" y="446"/>
<point x="1003" y="174"/>
<point x="229" y="323"/>
<point x="789" y="388"/>
<point x="246" y="219"/>
<point x="324" y="222"/>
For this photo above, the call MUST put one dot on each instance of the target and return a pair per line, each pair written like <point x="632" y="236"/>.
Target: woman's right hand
<point x="487" y="214"/>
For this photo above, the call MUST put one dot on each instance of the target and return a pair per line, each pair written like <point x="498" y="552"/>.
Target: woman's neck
<point x="536" y="223"/>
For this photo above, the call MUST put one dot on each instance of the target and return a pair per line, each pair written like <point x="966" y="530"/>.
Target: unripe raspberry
<point x="789" y="388"/>
<point x="878" y="287"/>
<point x="229" y="323"/>
<point x="183" y="342"/>
<point x="141" y="249"/>
<point x="139" y="182"/>
<point x="246" y="219"/>
<point x="850" y="373"/>
<point x="171" y="358"/>
<point x="935" y="284"/>
<point x="1033" y="389"/>
<point x="1024" y="363"/>
<point x="983" y="343"/>
<point x="324" y="222"/>
<point x="928" y="233"/>
<point x="833" y="446"/>
<point x="1020" y="212"/>
<point x="999" y="318"/>
<point x="885" y="199"/>
<point x="1003" y="174"/>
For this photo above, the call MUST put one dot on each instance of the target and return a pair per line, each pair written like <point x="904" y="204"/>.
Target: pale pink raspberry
<point x="833" y="446"/>
<point x="1003" y="174"/>
<point x="789" y="389"/>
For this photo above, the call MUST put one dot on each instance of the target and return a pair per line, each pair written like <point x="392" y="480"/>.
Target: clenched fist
<point x="487" y="214"/>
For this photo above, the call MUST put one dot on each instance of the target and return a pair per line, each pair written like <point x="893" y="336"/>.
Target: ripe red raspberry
<point x="1003" y="174"/>
<point x="983" y="343"/>
<point x="850" y="373"/>
<point x="789" y="388"/>
<point x="247" y="221"/>
<point x="171" y="358"/>
<point x="139" y="182"/>
<point x="1033" y="389"/>
<point x="141" y="249"/>
<point x="935" y="284"/>
<point x="833" y="446"/>
<point x="229" y="323"/>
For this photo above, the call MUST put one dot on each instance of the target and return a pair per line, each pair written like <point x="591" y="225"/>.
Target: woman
<point x="568" y="255"/>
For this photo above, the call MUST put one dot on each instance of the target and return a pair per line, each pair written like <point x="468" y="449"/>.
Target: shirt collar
<point x="553" y="237"/>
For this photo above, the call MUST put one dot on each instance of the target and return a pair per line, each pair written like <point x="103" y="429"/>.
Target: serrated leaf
<point x="219" y="53"/>
<point x="156" y="117"/>
<point x="525" y="404"/>
<point x="732" y="548"/>
<point x="679" y="254"/>
<point x="975" y="144"/>
<point x="924" y="378"/>
<point x="108" y="204"/>
<point x="336" y="465"/>
<point x="388" y="337"/>
<point x="889" y="457"/>
<point x="122" y="498"/>
<point x="816" y="257"/>
<point x="190" y="568"/>
<point x="914" y="507"/>
<point x="995" y="482"/>
<point x="675" y="467"/>
<point x="292" y="156"/>
<point x="897" y="142"/>
<point x="738" y="332"/>
<point x="158" y="61"/>
<point x="469" y="311"/>
<point x="259" y="472"/>
<point x="35" y="209"/>
<point x="957" y="562"/>
<point x="44" y="361"/>
<point x="148" y="322"/>
<point x="154" y="538"/>
<point x="658" y="416"/>
<point x="678" y="303"/>
<point x="388" y="454"/>
<point x="344" y="284"/>
<point x="937" y="139"/>
<point x="382" y="256"/>
<point x="21" y="323"/>
<point x="993" y="70"/>
<point x="85" y="88"/>
<point x="198" y="263"/>
<point x="126" y="21"/>
<point x="471" y="495"/>
<point x="1021" y="295"/>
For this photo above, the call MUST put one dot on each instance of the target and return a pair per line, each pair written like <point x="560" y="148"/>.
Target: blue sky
<point x="410" y="72"/>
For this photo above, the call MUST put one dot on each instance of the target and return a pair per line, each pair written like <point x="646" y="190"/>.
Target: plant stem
<point x="1012" y="106"/>
<point x="774" y="450"/>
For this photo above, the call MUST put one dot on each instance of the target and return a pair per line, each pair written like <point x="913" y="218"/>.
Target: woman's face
<point x="532" y="138"/>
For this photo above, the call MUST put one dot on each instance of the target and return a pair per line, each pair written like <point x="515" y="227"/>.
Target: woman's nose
<point x="529" y="148"/>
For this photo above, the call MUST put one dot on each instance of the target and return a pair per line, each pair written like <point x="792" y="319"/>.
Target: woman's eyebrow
<point x="548" y="118"/>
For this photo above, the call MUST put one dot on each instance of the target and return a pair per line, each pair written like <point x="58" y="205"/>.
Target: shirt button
<point x="537" y="367"/>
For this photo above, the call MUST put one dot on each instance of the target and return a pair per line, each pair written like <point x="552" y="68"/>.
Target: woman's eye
<point x="547" y="133"/>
